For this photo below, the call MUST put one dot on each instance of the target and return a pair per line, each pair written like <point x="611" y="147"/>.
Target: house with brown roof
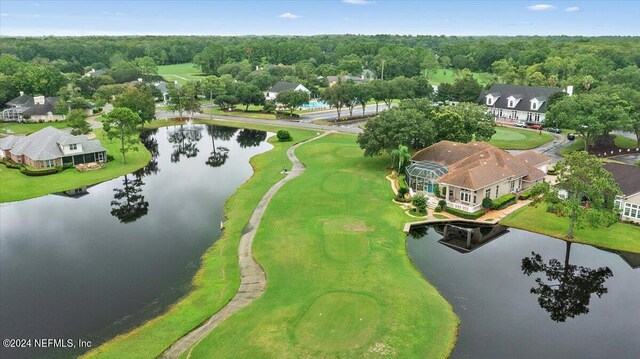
<point x="466" y="173"/>
<point x="628" y="179"/>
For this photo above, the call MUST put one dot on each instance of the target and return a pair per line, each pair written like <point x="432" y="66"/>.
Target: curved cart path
<point x="253" y="279"/>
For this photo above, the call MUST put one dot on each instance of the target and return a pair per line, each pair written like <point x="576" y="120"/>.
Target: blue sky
<point x="161" y="17"/>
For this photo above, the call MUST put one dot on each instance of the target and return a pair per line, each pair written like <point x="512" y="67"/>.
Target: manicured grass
<point x="241" y="113"/>
<point x="340" y="284"/>
<point x="440" y="216"/>
<point x="509" y="138"/>
<point x="182" y="73"/>
<point x="625" y="142"/>
<point x="218" y="278"/>
<point x="620" y="236"/>
<point x="449" y="75"/>
<point x="15" y="128"/>
<point x="17" y="186"/>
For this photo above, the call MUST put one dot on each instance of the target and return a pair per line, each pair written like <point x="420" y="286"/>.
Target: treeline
<point x="402" y="54"/>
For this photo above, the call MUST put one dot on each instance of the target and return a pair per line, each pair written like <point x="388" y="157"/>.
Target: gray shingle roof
<point x="526" y="93"/>
<point x="6" y="143"/>
<point x="283" y="86"/>
<point x="627" y="177"/>
<point x="43" y="145"/>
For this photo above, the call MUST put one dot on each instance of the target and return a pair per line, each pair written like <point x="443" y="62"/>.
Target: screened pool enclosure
<point x="422" y="176"/>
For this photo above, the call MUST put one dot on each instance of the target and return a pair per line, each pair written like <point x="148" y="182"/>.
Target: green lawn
<point x="180" y="72"/>
<point x="509" y="138"/>
<point x="16" y="186"/>
<point x="449" y="76"/>
<point x="340" y="284"/>
<point x="620" y="236"/>
<point x="14" y="128"/>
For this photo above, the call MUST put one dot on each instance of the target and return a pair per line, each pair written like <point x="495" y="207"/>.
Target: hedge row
<point x="462" y="214"/>
<point x="526" y="194"/>
<point x="504" y="201"/>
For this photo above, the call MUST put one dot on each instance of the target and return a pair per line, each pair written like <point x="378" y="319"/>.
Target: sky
<point x="303" y="17"/>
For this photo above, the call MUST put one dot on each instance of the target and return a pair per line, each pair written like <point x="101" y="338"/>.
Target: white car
<point x="521" y="124"/>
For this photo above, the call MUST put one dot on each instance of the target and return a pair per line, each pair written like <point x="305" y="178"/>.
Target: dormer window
<point x="73" y="146"/>
<point x="512" y="103"/>
<point x="489" y="101"/>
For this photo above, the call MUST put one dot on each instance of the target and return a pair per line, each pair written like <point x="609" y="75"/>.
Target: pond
<point x="513" y="303"/>
<point x="95" y="262"/>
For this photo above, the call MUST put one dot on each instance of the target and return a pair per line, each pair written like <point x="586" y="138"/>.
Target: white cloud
<point x="288" y="15"/>
<point x="572" y="9"/>
<point x="541" y="7"/>
<point x="357" y="2"/>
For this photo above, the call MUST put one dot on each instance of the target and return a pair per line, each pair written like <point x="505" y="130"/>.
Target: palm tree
<point x="400" y="157"/>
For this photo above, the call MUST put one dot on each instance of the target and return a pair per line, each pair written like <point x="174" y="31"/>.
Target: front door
<point x="100" y="157"/>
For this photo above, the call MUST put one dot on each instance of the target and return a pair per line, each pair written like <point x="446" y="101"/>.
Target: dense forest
<point x="237" y="69"/>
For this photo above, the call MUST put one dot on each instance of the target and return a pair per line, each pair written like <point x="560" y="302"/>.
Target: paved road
<point x="162" y="114"/>
<point x="332" y="115"/>
<point x="253" y="280"/>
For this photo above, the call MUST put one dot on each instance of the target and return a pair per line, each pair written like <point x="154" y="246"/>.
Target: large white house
<point x="283" y="86"/>
<point x="514" y="103"/>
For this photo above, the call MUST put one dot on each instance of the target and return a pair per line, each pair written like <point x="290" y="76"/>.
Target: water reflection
<point x="567" y="291"/>
<point x="219" y="154"/>
<point x="250" y="138"/>
<point x="185" y="141"/>
<point x="128" y="203"/>
<point x="148" y="139"/>
<point x="75" y="193"/>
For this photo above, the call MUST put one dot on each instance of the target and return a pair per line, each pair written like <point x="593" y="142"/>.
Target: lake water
<point x="490" y="289"/>
<point x="96" y="264"/>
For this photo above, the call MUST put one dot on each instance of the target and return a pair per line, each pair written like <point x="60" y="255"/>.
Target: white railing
<point x="464" y="207"/>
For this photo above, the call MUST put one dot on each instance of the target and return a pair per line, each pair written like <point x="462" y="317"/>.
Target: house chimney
<point x="38" y="100"/>
<point x="21" y="93"/>
<point x="570" y="90"/>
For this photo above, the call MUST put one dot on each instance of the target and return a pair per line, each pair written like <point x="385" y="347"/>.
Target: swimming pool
<point x="314" y="104"/>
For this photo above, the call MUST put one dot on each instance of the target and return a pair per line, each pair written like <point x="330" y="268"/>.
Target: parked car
<point x="571" y="136"/>
<point x="521" y="124"/>
<point x="554" y="130"/>
<point x="535" y="126"/>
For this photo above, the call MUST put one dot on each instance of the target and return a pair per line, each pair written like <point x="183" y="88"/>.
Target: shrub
<point x="420" y="203"/>
<point x="402" y="183"/>
<point x="487" y="203"/>
<point x="268" y="107"/>
<point x="475" y="215"/>
<point x="402" y="191"/>
<point x="526" y="194"/>
<point x="558" y="209"/>
<point x="503" y="201"/>
<point x="283" y="136"/>
<point x="110" y="158"/>
<point x="442" y="203"/>
<point x="10" y="164"/>
<point x="35" y="172"/>
<point x="438" y="209"/>
<point x="637" y="163"/>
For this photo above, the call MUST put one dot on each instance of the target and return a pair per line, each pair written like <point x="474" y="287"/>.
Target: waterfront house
<point x="628" y="179"/>
<point x="468" y="172"/>
<point x="51" y="147"/>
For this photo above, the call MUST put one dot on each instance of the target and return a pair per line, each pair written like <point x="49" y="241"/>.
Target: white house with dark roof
<point x="514" y="103"/>
<point x="628" y="179"/>
<point x="283" y="86"/>
<point x="31" y="109"/>
<point x="51" y="147"/>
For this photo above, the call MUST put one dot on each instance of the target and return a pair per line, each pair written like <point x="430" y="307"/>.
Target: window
<point x="512" y="185"/>
<point x="534" y="105"/>
<point x="465" y="195"/>
<point x="631" y="210"/>
<point x="487" y="193"/>
<point x="47" y="163"/>
<point x="489" y="101"/>
<point x="73" y="146"/>
<point x="497" y="191"/>
<point x="537" y="117"/>
<point x="511" y="103"/>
